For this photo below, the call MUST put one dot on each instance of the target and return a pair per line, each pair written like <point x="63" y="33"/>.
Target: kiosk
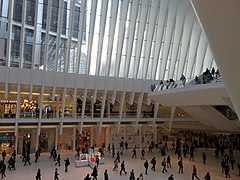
<point x="82" y="161"/>
<point x="89" y="159"/>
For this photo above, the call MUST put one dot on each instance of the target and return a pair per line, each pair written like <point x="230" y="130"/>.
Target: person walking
<point x="227" y="170"/>
<point x="51" y="152"/>
<point x="11" y="163"/>
<point x="27" y="159"/>
<point x="153" y="162"/>
<point x="146" y="167"/>
<point x="134" y="153"/>
<point x="140" y="177"/>
<point x="14" y="154"/>
<point x="194" y="173"/>
<point x="169" y="162"/>
<point x="87" y="177"/>
<point x="106" y="175"/>
<point x="143" y="154"/>
<point x="67" y="163"/>
<point x="123" y="168"/>
<point x="97" y="161"/>
<point x="204" y="157"/>
<point x="4" y="154"/>
<point x="115" y="165"/>
<point x="58" y="160"/>
<point x="132" y="176"/>
<point x="171" y="177"/>
<point x="36" y="156"/>
<point x="164" y="164"/>
<point x="207" y="176"/>
<point x="38" y="176"/>
<point x="94" y="173"/>
<point x="3" y="169"/>
<point x="180" y="166"/>
<point x="56" y="174"/>
<point x="113" y="150"/>
<point x="191" y="153"/>
<point x="78" y="153"/>
<point x="223" y="165"/>
<point x="118" y="156"/>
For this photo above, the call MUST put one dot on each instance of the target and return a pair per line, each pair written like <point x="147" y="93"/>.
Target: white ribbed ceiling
<point x="145" y="39"/>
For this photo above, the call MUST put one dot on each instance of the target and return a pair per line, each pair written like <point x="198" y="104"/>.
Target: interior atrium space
<point x="82" y="73"/>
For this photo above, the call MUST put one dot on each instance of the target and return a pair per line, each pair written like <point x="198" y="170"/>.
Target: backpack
<point x="163" y="163"/>
<point x="179" y="163"/>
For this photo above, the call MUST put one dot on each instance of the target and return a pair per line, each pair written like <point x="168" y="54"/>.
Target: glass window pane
<point x="17" y="10"/>
<point x="54" y="16"/>
<point x="64" y="19"/>
<point x="51" y="53"/>
<point x="62" y="55"/>
<point x="15" y="46"/>
<point x="73" y="57"/>
<point x="4" y="8"/>
<point x="76" y="17"/>
<point x="28" y="45"/>
<point x="44" y="14"/>
<point x="30" y="12"/>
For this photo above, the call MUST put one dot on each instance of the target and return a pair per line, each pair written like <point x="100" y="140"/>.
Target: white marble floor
<point x="47" y="167"/>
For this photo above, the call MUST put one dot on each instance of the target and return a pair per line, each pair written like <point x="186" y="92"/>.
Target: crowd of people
<point x="184" y="148"/>
<point x="204" y="78"/>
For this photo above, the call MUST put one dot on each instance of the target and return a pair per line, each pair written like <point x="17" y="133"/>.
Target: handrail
<point x="166" y="85"/>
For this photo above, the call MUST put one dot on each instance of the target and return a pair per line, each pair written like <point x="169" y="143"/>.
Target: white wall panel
<point x="26" y="76"/>
<point x="60" y="80"/>
<point x="129" y="85"/>
<point x="110" y="83"/>
<point x="137" y="85"/>
<point x="13" y="75"/>
<point x="100" y="83"/>
<point x="81" y="81"/>
<point x="70" y="81"/>
<point x="120" y="84"/>
<point x="49" y="78"/>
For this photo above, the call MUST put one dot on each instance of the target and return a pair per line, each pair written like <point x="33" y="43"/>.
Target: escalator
<point x="226" y="111"/>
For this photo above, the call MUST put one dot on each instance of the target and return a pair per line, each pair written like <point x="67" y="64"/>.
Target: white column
<point x="56" y="138"/>
<point x="91" y="144"/>
<point x="16" y="139"/>
<point x="140" y="135"/>
<point x="37" y="138"/>
<point x="74" y="138"/>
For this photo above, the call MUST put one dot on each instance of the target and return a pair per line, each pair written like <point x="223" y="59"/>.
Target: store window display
<point x="28" y="108"/>
<point x="8" y="108"/>
<point x="7" y="142"/>
<point x="83" y="139"/>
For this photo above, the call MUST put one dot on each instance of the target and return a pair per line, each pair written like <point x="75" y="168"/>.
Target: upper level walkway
<point x="201" y="101"/>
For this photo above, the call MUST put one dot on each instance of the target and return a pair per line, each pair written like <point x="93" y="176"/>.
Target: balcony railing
<point x="165" y="85"/>
<point x="31" y="115"/>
